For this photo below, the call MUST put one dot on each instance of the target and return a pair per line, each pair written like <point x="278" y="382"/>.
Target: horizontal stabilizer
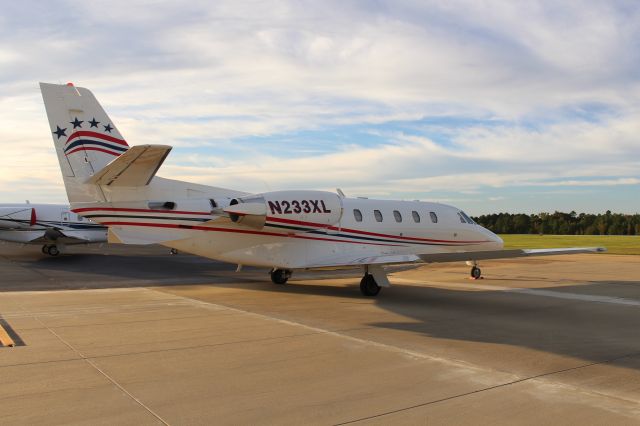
<point x="136" y="167"/>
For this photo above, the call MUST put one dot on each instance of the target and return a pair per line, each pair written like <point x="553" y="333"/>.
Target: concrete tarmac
<point x="123" y="335"/>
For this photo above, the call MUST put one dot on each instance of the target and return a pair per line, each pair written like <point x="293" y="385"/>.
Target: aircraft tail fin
<point x="85" y="138"/>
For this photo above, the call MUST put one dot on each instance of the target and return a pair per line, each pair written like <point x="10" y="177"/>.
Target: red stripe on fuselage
<point x="96" y="135"/>
<point x="116" y="209"/>
<point x="239" y="231"/>
<point x="374" y="234"/>
<point x="289" y="221"/>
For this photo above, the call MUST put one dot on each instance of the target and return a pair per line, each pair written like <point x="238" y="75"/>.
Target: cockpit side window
<point x="461" y="218"/>
<point x="467" y="218"/>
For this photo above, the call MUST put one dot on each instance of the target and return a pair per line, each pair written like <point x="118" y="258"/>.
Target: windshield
<point x="467" y="218"/>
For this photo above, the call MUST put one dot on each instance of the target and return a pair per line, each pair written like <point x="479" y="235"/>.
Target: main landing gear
<point x="51" y="250"/>
<point x="280" y="276"/>
<point x="369" y="286"/>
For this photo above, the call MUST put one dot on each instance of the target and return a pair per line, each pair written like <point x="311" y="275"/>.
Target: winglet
<point x="136" y="167"/>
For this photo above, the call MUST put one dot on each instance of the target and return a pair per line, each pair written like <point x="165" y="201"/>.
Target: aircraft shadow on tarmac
<point x="592" y="331"/>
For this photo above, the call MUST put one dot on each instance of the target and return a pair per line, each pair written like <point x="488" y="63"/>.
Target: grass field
<point x="615" y="244"/>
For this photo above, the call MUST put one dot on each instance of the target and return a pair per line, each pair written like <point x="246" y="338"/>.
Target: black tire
<point x="45" y="249"/>
<point x="53" y="251"/>
<point x="476" y="273"/>
<point x="173" y="251"/>
<point x="368" y="286"/>
<point x="280" y="276"/>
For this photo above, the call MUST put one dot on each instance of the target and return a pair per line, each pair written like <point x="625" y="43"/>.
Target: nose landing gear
<point x="476" y="273"/>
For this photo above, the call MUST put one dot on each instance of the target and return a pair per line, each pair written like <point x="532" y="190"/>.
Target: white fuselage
<point x="27" y="223"/>
<point x="298" y="241"/>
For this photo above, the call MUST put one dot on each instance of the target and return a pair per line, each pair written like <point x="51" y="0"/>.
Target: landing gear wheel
<point x="280" y="276"/>
<point x="476" y="273"/>
<point x="173" y="251"/>
<point x="53" y="251"/>
<point x="45" y="249"/>
<point x="369" y="286"/>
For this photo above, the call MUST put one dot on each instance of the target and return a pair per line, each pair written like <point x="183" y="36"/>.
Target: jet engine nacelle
<point x="301" y="209"/>
<point x="17" y="217"/>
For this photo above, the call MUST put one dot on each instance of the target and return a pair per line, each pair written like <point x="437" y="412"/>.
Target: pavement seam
<point x="181" y="348"/>
<point x="415" y="355"/>
<point x="103" y="373"/>
<point x="489" y="388"/>
<point x="389" y="348"/>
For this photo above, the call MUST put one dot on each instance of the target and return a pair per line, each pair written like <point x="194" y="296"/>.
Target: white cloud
<point x="551" y="90"/>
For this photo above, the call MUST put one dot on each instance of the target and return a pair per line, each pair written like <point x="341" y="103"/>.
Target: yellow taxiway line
<point x="5" y="339"/>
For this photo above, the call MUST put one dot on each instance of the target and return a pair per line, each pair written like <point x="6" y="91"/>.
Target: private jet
<point x="116" y="186"/>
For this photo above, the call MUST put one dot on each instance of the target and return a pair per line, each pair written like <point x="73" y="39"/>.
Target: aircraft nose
<point x="493" y="238"/>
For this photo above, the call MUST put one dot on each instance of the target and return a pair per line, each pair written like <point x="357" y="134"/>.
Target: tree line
<point x="560" y="223"/>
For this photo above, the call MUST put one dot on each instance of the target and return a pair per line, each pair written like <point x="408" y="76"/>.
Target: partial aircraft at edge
<point x="116" y="185"/>
<point x="52" y="225"/>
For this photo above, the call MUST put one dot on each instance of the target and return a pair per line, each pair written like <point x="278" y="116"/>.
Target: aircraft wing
<point x="449" y="257"/>
<point x="68" y="236"/>
<point x="344" y="262"/>
<point x="505" y="254"/>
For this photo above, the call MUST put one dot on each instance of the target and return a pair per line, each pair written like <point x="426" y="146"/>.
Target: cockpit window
<point x="467" y="218"/>
<point x="461" y="218"/>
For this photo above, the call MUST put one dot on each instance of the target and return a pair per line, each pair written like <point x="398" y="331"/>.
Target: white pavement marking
<point x="318" y="330"/>
<point x="530" y="291"/>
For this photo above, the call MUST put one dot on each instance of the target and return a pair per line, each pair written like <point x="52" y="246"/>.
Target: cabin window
<point x="378" y="215"/>
<point x="467" y="218"/>
<point x="434" y="217"/>
<point x="397" y="216"/>
<point x="461" y="218"/>
<point x="358" y="215"/>
<point x="416" y="216"/>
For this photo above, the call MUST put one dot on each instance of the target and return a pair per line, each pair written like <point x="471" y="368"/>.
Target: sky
<point x="490" y="106"/>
